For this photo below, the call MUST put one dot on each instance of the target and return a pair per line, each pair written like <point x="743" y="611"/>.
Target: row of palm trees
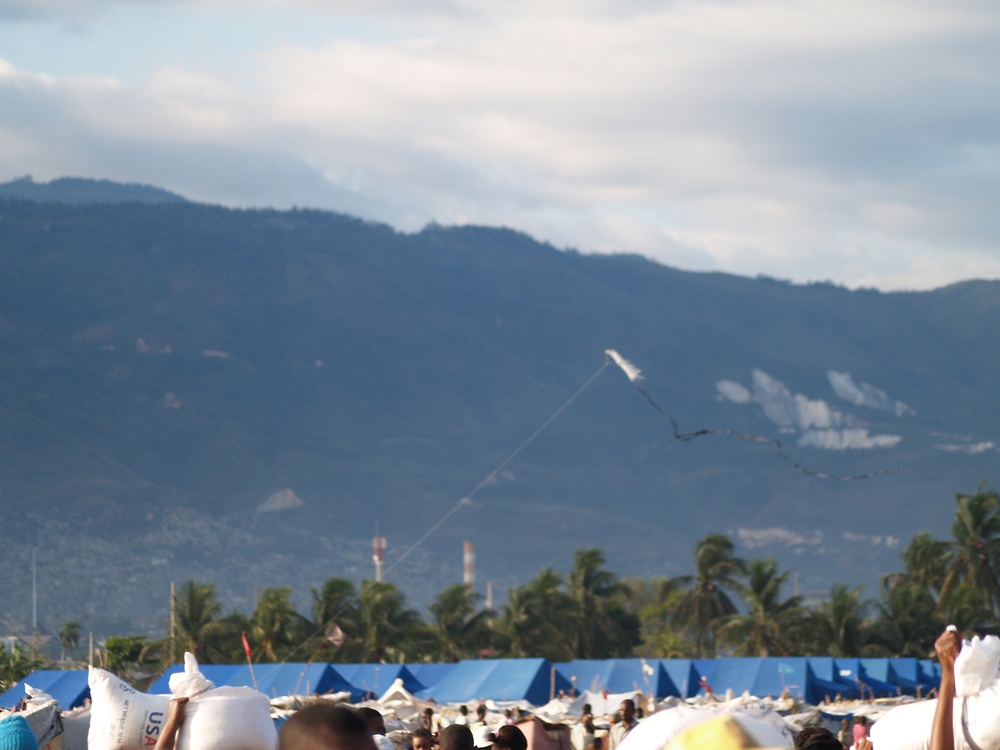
<point x="728" y="605"/>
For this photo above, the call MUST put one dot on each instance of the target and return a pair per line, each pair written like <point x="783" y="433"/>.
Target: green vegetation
<point x="729" y="606"/>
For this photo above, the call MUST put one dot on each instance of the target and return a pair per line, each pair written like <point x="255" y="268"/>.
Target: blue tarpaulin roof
<point x="429" y="675"/>
<point x="498" y="679"/>
<point x="301" y="678"/>
<point x="619" y="676"/>
<point x="68" y="687"/>
<point x="374" y="679"/>
<point x="827" y="681"/>
<point x="684" y="675"/>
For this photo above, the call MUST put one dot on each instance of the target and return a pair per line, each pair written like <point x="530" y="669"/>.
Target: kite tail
<point x="634" y="375"/>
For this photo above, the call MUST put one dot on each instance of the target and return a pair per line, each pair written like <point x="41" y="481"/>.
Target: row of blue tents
<point x="811" y="679"/>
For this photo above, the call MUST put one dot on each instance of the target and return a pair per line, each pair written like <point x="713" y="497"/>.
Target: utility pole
<point x="173" y="622"/>
<point x="34" y="594"/>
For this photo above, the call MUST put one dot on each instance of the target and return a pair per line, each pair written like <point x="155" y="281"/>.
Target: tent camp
<point x="619" y="676"/>
<point x="532" y="680"/>
<point x="429" y="675"/>
<point x="299" y="678"/>
<point x="68" y="687"/>
<point x="684" y="676"/>
<point x="374" y="679"/>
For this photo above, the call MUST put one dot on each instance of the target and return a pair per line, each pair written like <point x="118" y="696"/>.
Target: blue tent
<point x="908" y="675"/>
<point x="301" y="678"/>
<point x="855" y="670"/>
<point x="374" y="679"/>
<point x="826" y="680"/>
<point x="68" y="687"/>
<point x="684" y="675"/>
<point x="619" y="676"/>
<point x="296" y="678"/>
<point x="776" y="675"/>
<point x="219" y="674"/>
<point x="429" y="675"/>
<point x="498" y="679"/>
<point x="734" y="674"/>
<point x="704" y="668"/>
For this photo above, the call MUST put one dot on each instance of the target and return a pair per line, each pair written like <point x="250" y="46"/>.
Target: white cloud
<point x="808" y="141"/>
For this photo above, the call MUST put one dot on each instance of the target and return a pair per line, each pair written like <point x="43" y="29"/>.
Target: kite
<point x="634" y="375"/>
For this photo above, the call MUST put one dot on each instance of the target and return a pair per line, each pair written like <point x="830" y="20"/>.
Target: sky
<point x="856" y="142"/>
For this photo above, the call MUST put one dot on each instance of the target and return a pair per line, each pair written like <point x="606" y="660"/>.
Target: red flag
<point x="246" y="645"/>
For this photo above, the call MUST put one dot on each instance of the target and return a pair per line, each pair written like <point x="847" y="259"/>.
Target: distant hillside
<point x="167" y="369"/>
<point x="81" y="191"/>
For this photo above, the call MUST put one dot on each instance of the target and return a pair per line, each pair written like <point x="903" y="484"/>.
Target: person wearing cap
<point x="15" y="734"/>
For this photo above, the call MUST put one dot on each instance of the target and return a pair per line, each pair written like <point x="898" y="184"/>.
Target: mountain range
<point x="248" y="396"/>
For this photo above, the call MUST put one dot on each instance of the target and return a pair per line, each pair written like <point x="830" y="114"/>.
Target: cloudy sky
<point x="852" y="141"/>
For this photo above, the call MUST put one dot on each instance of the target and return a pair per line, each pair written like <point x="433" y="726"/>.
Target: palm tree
<point x="601" y="625"/>
<point x="839" y="627"/>
<point x="765" y="630"/>
<point x="909" y="620"/>
<point x="460" y="627"/>
<point x="275" y="624"/>
<point x="977" y="545"/>
<point x="388" y="630"/>
<point x="335" y="616"/>
<point x="196" y="607"/>
<point x="655" y="600"/>
<point x="16" y="664"/>
<point x="706" y="599"/>
<point x="69" y="638"/>
<point x="538" y="618"/>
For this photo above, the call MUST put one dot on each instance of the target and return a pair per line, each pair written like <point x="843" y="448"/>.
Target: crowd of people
<point x="334" y="727"/>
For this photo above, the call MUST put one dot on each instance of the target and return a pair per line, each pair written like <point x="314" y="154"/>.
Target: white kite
<point x="633" y="372"/>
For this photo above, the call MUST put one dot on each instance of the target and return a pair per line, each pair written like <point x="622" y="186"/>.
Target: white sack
<point x="977" y="665"/>
<point x="228" y="718"/>
<point x="191" y="681"/>
<point x="121" y="717"/>
<point x="976" y="717"/>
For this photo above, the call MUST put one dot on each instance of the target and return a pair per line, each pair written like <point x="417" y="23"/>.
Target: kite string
<point x="467" y="500"/>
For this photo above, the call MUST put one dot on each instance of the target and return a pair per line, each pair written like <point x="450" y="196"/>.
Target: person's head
<point x="639" y="712"/>
<point x="587" y="709"/>
<point x="627" y="710"/>
<point x="16" y="734"/>
<point x="456" y="737"/>
<point x="862" y="720"/>
<point x="481" y="711"/>
<point x="374" y="720"/>
<point x="464" y="710"/>
<point x="817" y="738"/>
<point x="509" y="737"/>
<point x="422" y="740"/>
<point x="324" y="727"/>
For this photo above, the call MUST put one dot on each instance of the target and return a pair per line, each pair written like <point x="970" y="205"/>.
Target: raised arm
<point x="948" y="645"/>
<point x="175" y="717"/>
